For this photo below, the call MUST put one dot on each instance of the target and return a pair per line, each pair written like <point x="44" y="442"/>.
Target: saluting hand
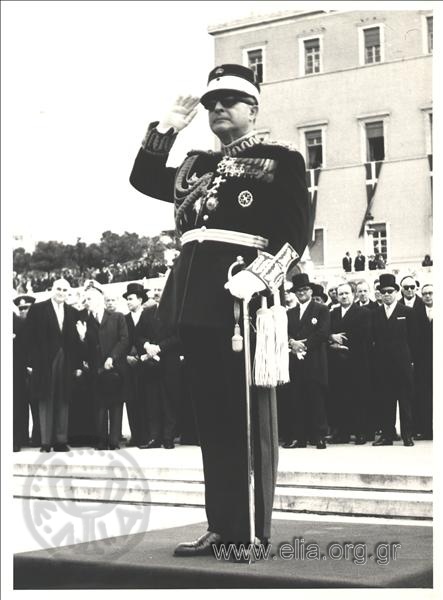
<point x="180" y="114"/>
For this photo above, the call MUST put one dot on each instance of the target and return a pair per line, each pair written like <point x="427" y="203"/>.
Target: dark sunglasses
<point x="387" y="291"/>
<point x="23" y="307"/>
<point x="227" y="101"/>
<point x="409" y="287"/>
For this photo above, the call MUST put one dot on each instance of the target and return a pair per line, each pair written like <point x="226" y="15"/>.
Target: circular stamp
<point x="102" y="505"/>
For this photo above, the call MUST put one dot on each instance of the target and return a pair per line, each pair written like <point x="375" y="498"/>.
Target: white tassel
<point x="265" y="374"/>
<point x="281" y="340"/>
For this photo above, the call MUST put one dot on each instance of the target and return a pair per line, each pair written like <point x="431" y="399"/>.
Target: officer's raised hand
<point x="180" y="114"/>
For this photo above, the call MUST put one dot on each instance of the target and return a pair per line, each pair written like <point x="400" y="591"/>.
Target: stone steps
<point x="378" y="495"/>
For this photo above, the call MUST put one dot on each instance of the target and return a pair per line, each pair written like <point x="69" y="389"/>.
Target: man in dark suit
<point x="105" y="342"/>
<point x="308" y="328"/>
<point x="223" y="209"/>
<point x="362" y="296"/>
<point x="55" y="359"/>
<point x="359" y="261"/>
<point x="347" y="263"/>
<point x="409" y="288"/>
<point x="349" y="368"/>
<point x="159" y="351"/>
<point x="21" y="377"/>
<point x="136" y="399"/>
<point x="423" y="365"/>
<point x="395" y="346"/>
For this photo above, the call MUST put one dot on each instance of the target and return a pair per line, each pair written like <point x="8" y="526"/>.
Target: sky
<point x="81" y="81"/>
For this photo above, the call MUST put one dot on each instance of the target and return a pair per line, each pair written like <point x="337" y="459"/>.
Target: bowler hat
<point x="24" y="300"/>
<point x="387" y="280"/>
<point x="232" y="78"/>
<point x="137" y="289"/>
<point x="301" y="280"/>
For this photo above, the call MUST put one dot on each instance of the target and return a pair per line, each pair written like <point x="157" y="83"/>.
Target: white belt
<point x="223" y="235"/>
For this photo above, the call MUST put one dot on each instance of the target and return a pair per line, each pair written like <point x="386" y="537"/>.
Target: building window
<point x="372" y="45"/>
<point x="377" y="239"/>
<point x="317" y="247"/>
<point x="375" y="141"/>
<point x="312" y="56"/>
<point x="314" y="149"/>
<point x="254" y="59"/>
<point x="430" y="32"/>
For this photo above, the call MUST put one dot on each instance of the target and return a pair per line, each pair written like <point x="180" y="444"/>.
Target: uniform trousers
<point x="217" y="381"/>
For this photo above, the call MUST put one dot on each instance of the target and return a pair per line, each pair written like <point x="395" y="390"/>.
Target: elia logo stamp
<point x="72" y="500"/>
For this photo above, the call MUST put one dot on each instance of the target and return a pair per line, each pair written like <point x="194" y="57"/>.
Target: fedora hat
<point x="301" y="280"/>
<point x="137" y="289"/>
<point x="387" y="280"/>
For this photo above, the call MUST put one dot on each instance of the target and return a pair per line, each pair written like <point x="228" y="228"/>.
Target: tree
<point x="120" y="248"/>
<point x="48" y="256"/>
<point x="20" y="260"/>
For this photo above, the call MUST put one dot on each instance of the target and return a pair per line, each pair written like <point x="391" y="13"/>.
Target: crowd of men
<point x="353" y="359"/>
<point x="76" y="365"/>
<point x="354" y="354"/>
<point x="375" y="261"/>
<point x="25" y="283"/>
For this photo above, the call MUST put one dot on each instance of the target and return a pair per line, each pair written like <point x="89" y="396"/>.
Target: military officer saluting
<point x="246" y="198"/>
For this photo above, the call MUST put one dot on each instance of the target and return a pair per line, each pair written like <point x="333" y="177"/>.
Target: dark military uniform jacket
<point x="254" y="187"/>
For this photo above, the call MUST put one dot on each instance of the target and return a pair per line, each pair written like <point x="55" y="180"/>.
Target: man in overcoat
<point x="55" y="359"/>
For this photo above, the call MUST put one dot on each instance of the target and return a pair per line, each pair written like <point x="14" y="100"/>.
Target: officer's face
<point x="231" y="122"/>
<point x="344" y="295"/>
<point x="427" y="294"/>
<point x="408" y="288"/>
<point x="304" y="294"/>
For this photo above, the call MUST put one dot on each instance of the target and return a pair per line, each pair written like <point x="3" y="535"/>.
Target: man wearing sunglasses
<point x="242" y="199"/>
<point x="409" y="288"/>
<point x="395" y="349"/>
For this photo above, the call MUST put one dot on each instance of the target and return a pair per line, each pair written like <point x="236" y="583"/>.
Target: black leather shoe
<point x="289" y="444"/>
<point x="321" y="445"/>
<point x="45" y="448"/>
<point x="360" y="440"/>
<point x="16" y="448"/>
<point x="407" y="441"/>
<point x="151" y="444"/>
<point x="202" y="546"/>
<point x="101" y="446"/>
<point x="114" y="447"/>
<point x="383" y="441"/>
<point x="299" y="444"/>
<point x="168" y="444"/>
<point x="61" y="448"/>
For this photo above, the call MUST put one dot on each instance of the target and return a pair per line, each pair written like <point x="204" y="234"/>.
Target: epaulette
<point x="282" y="144"/>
